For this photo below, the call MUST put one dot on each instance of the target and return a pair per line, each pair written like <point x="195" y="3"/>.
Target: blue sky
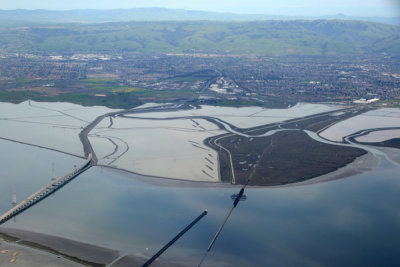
<point x="273" y="7"/>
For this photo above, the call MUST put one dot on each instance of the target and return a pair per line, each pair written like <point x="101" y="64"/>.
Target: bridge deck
<point x="46" y="191"/>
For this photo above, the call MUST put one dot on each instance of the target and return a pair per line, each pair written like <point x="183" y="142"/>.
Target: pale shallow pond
<point x="165" y="148"/>
<point x="51" y="125"/>
<point x="336" y="223"/>
<point x="246" y="117"/>
<point x="379" y="136"/>
<point x="381" y="118"/>
<point x="168" y="148"/>
<point x="292" y="226"/>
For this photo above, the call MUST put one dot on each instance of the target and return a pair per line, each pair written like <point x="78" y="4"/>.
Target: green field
<point x="115" y="100"/>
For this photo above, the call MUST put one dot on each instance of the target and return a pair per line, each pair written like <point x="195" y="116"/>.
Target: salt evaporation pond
<point x="379" y="136"/>
<point x="381" y="118"/>
<point x="247" y="117"/>
<point x="169" y="148"/>
<point x="346" y="222"/>
<point x="274" y="226"/>
<point x="51" y="125"/>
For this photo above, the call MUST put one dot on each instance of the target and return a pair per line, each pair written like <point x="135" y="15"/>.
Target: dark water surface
<point x="347" y="222"/>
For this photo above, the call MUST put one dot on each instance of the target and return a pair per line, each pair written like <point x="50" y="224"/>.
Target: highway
<point x="46" y="191"/>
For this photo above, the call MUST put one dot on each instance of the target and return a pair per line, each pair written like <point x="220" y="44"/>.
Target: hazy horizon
<point x="368" y="8"/>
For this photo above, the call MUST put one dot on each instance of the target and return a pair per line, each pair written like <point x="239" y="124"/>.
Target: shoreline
<point x="362" y="164"/>
<point x="14" y="254"/>
<point x="78" y="252"/>
<point x="64" y="251"/>
<point x="68" y="252"/>
<point x="84" y="254"/>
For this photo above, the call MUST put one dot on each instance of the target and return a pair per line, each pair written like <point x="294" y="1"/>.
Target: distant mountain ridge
<point x="158" y="14"/>
<point x="318" y="37"/>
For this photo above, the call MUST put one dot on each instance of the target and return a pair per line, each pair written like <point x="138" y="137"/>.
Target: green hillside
<point x="260" y="37"/>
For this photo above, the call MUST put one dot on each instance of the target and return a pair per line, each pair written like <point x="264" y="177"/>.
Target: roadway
<point x="46" y="191"/>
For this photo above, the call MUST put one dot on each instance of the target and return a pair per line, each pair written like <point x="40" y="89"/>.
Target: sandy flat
<point x="16" y="255"/>
<point x="392" y="153"/>
<point x="129" y="261"/>
<point x="69" y="247"/>
<point x="43" y="253"/>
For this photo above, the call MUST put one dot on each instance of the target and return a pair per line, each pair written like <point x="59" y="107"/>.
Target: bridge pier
<point x="46" y="191"/>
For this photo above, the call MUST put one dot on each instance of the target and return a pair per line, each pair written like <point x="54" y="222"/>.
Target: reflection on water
<point x="26" y="169"/>
<point x="353" y="221"/>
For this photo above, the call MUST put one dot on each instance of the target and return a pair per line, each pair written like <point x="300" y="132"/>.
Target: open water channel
<point x="346" y="222"/>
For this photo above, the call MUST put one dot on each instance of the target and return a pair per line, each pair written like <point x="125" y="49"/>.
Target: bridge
<point x="46" y="191"/>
